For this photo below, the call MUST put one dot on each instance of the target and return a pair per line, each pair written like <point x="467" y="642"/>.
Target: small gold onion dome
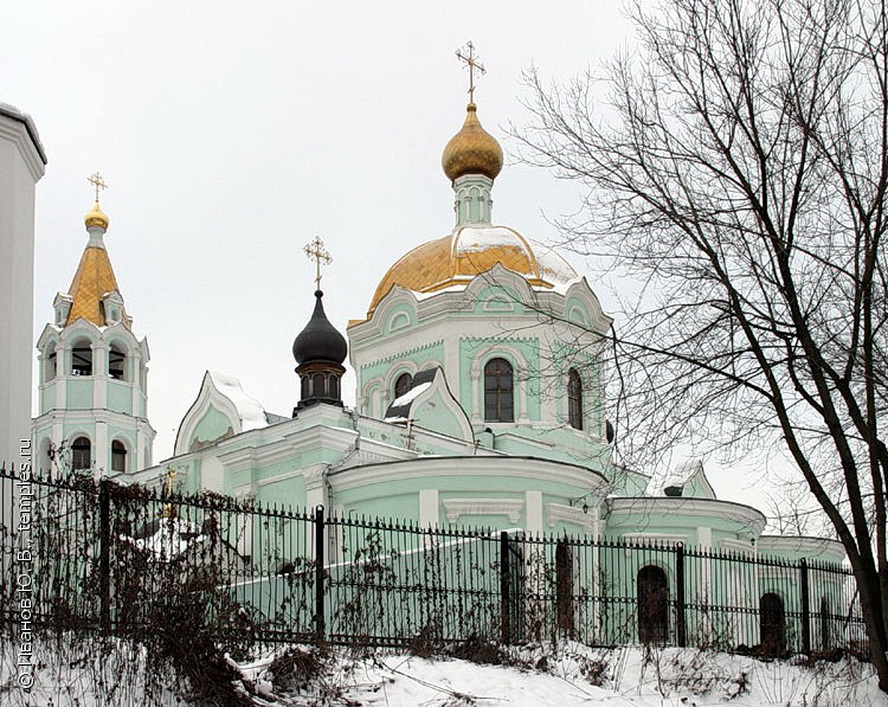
<point x="96" y="217"/>
<point x="472" y="150"/>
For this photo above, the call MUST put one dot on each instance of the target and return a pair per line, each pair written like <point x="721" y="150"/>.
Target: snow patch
<point x="249" y="410"/>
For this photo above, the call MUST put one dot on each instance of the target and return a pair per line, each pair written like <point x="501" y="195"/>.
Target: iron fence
<point x="80" y="552"/>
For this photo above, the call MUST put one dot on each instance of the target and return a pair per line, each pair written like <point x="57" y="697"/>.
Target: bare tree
<point x="737" y="177"/>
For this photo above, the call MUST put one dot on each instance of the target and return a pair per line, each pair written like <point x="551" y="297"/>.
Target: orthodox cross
<point x="99" y="183"/>
<point x="316" y="251"/>
<point x="468" y="56"/>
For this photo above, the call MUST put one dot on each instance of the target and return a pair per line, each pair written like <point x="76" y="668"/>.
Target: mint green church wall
<point x="120" y="398"/>
<point x="213" y="425"/>
<point x="79" y="394"/>
<point x="419" y="357"/>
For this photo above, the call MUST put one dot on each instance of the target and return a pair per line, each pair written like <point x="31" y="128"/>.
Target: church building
<point x="480" y="396"/>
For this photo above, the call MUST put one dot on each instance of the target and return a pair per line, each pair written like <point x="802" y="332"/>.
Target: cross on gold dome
<point x="471" y="61"/>
<point x="99" y="183"/>
<point x="315" y="251"/>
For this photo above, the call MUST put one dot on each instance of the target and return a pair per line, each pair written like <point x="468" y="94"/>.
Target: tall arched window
<point x="499" y="389"/>
<point x="116" y="363"/>
<point x="82" y="358"/>
<point x="772" y="624"/>
<point x="118" y="456"/>
<point x="402" y="384"/>
<point x="575" y="399"/>
<point x="653" y="605"/>
<point x="81" y="454"/>
<point x="50" y="360"/>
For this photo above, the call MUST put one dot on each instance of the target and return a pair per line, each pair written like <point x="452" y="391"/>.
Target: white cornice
<point x="671" y="506"/>
<point x="491" y="467"/>
<point x="456" y="507"/>
<point x="559" y="513"/>
<point x="813" y="547"/>
<point x="18" y="128"/>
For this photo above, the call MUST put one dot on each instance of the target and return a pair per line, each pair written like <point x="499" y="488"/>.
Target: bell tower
<point x="93" y="399"/>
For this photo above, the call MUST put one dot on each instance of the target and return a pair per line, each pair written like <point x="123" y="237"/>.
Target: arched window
<point x="772" y="624"/>
<point x="318" y="387"/>
<point x="44" y="461"/>
<point x="653" y="605"/>
<point x="50" y="361"/>
<point x="118" y="456"/>
<point x="574" y="399"/>
<point x="82" y="358"/>
<point x="402" y="384"/>
<point x="116" y="363"/>
<point x="499" y="386"/>
<point x="81" y="454"/>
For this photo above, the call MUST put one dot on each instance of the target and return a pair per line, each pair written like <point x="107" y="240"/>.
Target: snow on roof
<point x="474" y="239"/>
<point x="250" y="411"/>
<point x="554" y="267"/>
<point x="680" y="475"/>
<point x="411" y="394"/>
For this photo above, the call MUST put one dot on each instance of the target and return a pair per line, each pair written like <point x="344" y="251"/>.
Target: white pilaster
<point x="101" y="452"/>
<point x="428" y="507"/>
<point x="534" y="503"/>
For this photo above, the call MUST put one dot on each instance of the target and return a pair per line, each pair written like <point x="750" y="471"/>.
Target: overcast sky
<point x="230" y="134"/>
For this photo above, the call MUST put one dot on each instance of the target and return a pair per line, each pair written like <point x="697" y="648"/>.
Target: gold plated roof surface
<point x="457" y="258"/>
<point x="94" y="277"/>
<point x="472" y="150"/>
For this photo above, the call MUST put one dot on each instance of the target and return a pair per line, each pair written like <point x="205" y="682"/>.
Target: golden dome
<point x="469" y="251"/>
<point x="472" y="150"/>
<point x="96" y="217"/>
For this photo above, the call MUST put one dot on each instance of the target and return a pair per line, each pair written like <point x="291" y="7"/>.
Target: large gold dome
<point x="470" y="251"/>
<point x="472" y="150"/>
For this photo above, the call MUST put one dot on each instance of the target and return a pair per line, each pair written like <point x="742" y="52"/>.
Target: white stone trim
<point x="428" y="507"/>
<point x="733" y="545"/>
<point x="681" y="506"/>
<point x="650" y="538"/>
<point x="559" y="513"/>
<point x="488" y="466"/>
<point x="534" y="503"/>
<point x="456" y="507"/>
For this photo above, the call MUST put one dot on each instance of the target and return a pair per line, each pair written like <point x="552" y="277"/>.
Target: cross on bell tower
<point x="467" y="56"/>
<point x="99" y="183"/>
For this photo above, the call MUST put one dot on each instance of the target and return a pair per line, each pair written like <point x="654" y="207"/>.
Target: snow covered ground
<point x="569" y="674"/>
<point x="576" y="675"/>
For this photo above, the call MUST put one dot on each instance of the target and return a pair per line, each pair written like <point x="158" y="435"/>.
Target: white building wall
<point x="21" y="166"/>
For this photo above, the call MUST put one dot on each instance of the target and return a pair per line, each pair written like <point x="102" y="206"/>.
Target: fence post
<point x="505" y="613"/>
<point x="806" y="608"/>
<point x="681" y="630"/>
<point x="105" y="555"/>
<point x="319" y="573"/>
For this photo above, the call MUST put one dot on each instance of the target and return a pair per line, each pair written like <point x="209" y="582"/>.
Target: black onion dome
<point x="319" y="340"/>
